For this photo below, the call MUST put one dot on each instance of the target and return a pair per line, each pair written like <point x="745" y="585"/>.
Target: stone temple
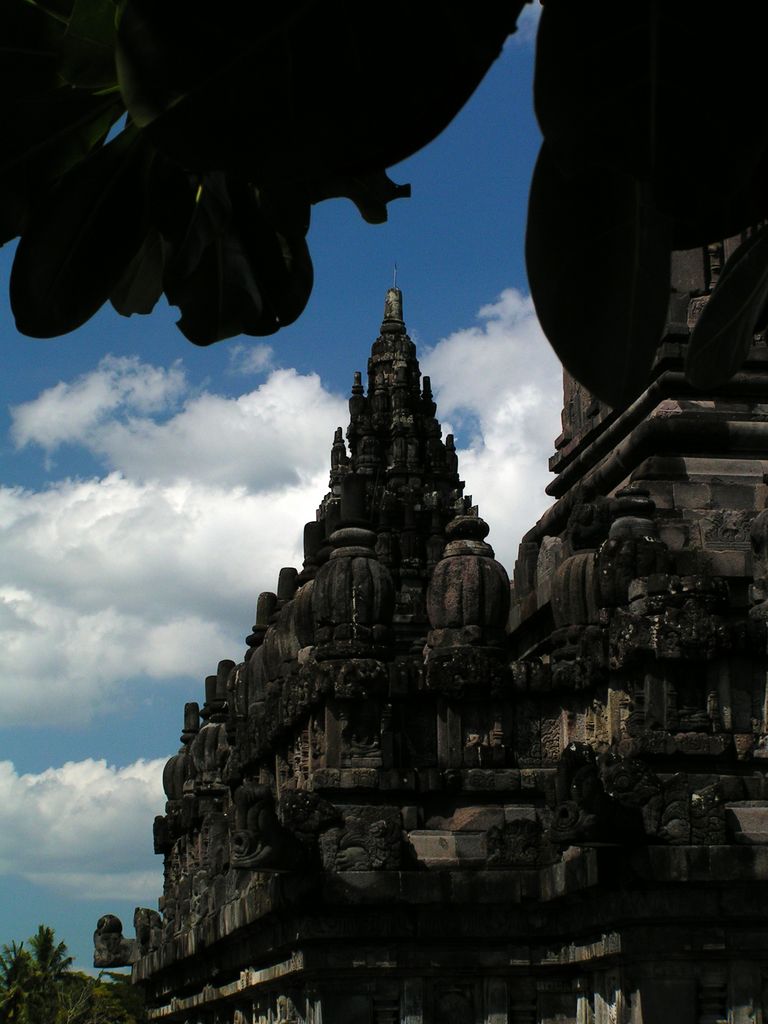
<point x="426" y="794"/>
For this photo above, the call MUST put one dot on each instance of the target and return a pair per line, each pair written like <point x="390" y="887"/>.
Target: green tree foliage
<point x="240" y="116"/>
<point x="16" y="979"/>
<point x="107" y="999"/>
<point x="38" y="986"/>
<point x="51" y="964"/>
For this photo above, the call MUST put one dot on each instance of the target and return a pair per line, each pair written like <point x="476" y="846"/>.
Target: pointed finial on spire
<point x="394" y="278"/>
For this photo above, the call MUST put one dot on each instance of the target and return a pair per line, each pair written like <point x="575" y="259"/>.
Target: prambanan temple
<point x="429" y="794"/>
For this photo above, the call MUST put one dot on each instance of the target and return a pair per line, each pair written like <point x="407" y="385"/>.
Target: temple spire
<point x="393" y="312"/>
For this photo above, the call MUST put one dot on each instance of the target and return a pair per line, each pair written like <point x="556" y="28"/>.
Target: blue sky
<point x="150" y="491"/>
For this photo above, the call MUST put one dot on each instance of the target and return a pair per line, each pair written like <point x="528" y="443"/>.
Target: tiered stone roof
<point x="426" y="795"/>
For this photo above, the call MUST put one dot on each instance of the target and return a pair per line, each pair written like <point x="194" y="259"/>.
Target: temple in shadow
<point x="428" y="794"/>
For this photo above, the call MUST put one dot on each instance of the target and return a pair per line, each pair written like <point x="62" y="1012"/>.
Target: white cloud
<point x="68" y="413"/>
<point x="250" y="358"/>
<point x="500" y="385"/>
<point x="265" y="438"/>
<point x="83" y="829"/>
<point x="151" y="572"/>
<point x="109" y="580"/>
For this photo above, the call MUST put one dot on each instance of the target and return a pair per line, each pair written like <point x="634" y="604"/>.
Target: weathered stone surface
<point x="747" y="821"/>
<point x="111" y="948"/>
<point x="426" y="795"/>
<point x="369" y="838"/>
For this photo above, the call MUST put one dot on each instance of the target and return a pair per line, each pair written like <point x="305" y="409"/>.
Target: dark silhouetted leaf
<point x="220" y="298"/>
<point x="171" y="197"/>
<point x="45" y="136"/>
<point x="296" y="91"/>
<point x="724" y="332"/>
<point x="165" y="52"/>
<point x="203" y="210"/>
<point x="696" y="172"/>
<point x="279" y="255"/>
<point x="700" y="215"/>
<point x="285" y="206"/>
<point x="370" y="193"/>
<point x="45" y="127"/>
<point x="88" y="46"/>
<point x="29" y="41"/>
<point x="615" y="86"/>
<point x="592" y="85"/>
<point x="141" y="286"/>
<point x="288" y="280"/>
<point x="252" y="278"/>
<point x="598" y="266"/>
<point x="81" y="240"/>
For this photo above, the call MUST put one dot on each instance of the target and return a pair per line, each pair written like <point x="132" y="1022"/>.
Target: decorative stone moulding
<point x="418" y="800"/>
<point x="353" y="594"/>
<point x="468" y="595"/>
